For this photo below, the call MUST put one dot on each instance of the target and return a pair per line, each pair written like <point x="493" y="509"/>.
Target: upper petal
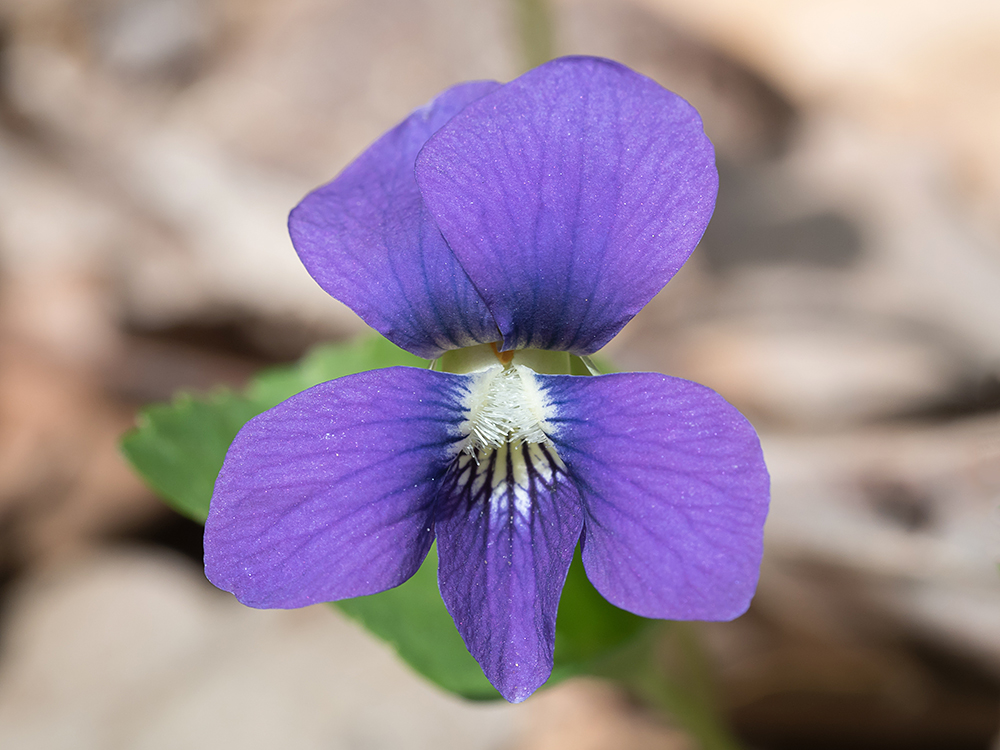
<point x="329" y="494"/>
<point x="674" y="491"/>
<point x="507" y="523"/>
<point x="571" y="196"/>
<point x="368" y="240"/>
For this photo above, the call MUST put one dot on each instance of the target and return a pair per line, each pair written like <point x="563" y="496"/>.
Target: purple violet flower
<point x="503" y="229"/>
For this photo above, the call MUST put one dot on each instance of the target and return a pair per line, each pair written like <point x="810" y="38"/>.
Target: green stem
<point x="535" y="28"/>
<point x="667" y="671"/>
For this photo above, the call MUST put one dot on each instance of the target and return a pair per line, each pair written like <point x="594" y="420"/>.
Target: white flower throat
<point x="505" y="406"/>
<point x="506" y="456"/>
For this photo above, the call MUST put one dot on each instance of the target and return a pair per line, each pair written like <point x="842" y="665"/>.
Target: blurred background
<point x="846" y="297"/>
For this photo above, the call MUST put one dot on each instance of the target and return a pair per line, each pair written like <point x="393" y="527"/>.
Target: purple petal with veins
<point x="674" y="492"/>
<point x="368" y="239"/>
<point x="331" y="493"/>
<point x="570" y="196"/>
<point x="507" y="524"/>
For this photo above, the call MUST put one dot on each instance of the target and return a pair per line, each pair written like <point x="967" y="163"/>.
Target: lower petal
<point x="674" y="489"/>
<point x="507" y="524"/>
<point x="329" y="494"/>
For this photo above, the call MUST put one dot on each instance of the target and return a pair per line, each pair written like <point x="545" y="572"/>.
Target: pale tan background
<point x="846" y="297"/>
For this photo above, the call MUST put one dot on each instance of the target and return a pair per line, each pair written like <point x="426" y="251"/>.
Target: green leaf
<point x="588" y="625"/>
<point x="178" y="448"/>
<point x="413" y="618"/>
<point x="324" y="363"/>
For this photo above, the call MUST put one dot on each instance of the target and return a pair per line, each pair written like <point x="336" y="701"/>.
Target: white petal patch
<point x="504" y="405"/>
<point x="506" y="457"/>
<point x="505" y="480"/>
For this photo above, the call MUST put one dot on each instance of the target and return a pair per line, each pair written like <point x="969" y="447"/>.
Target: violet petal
<point x="571" y="196"/>
<point x="505" y="542"/>
<point x="674" y="491"/>
<point x="368" y="239"/>
<point x="329" y="494"/>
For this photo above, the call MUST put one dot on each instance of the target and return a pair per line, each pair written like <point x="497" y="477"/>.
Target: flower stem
<point x="665" y="669"/>
<point x="535" y="28"/>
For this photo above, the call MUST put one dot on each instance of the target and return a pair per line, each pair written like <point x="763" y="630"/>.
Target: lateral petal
<point x="507" y="527"/>
<point x="674" y="491"/>
<point x="368" y="240"/>
<point x="570" y="196"/>
<point x="329" y="495"/>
